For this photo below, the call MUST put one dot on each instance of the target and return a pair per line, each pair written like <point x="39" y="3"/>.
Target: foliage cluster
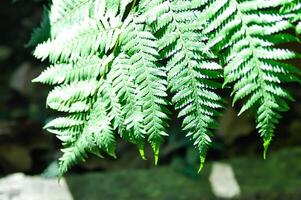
<point x="116" y="66"/>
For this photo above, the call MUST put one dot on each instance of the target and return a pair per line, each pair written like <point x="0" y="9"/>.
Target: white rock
<point x="21" y="187"/>
<point x="223" y="182"/>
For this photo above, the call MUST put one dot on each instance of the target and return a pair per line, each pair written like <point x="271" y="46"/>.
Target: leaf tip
<point x="35" y="80"/>
<point x="156" y="154"/>
<point x="202" y="161"/>
<point x="113" y="154"/>
<point x="266" y="144"/>
<point x="141" y="152"/>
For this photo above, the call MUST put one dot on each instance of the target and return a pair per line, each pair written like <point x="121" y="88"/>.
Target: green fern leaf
<point x="114" y="62"/>
<point x="85" y="69"/>
<point x="127" y="91"/>
<point x="140" y="44"/>
<point x="240" y="31"/>
<point x="191" y="71"/>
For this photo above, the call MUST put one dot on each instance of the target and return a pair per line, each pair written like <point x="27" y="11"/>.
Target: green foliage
<point x="292" y="9"/>
<point x="245" y="34"/>
<point x="113" y="64"/>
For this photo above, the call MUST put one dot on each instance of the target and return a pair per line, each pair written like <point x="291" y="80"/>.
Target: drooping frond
<point x="127" y="91"/>
<point x="112" y="62"/>
<point x="94" y="113"/>
<point x="191" y="70"/>
<point x="81" y="54"/>
<point x="110" y="98"/>
<point x="93" y="135"/>
<point x="245" y="34"/>
<point x="139" y="43"/>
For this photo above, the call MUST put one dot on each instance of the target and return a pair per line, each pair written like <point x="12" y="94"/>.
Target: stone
<point x="21" y="187"/>
<point x="223" y="181"/>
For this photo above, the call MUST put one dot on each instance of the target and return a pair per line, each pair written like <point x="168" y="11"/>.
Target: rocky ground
<point x="277" y="178"/>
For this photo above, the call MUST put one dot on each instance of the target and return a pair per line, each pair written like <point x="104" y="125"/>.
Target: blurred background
<point x="234" y="169"/>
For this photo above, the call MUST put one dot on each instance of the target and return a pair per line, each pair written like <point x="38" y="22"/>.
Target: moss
<point x="278" y="177"/>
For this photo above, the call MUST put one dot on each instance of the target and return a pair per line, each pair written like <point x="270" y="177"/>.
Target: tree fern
<point x="113" y="64"/>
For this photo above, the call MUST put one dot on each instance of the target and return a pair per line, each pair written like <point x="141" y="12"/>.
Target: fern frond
<point x="99" y="125"/>
<point x="111" y="100"/>
<point x="88" y="131"/>
<point x="139" y="43"/>
<point x="191" y="71"/>
<point x="95" y="134"/>
<point x="240" y="31"/>
<point x="126" y="89"/>
<point x="112" y="62"/>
